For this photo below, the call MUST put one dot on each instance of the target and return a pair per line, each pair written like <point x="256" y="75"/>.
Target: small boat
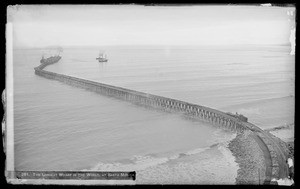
<point x="102" y="57"/>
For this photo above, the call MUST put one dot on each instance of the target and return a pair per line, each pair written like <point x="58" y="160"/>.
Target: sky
<point x="96" y="25"/>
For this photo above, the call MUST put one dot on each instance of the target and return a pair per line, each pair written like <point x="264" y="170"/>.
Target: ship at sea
<point x="51" y="59"/>
<point x="55" y="55"/>
<point x="102" y="57"/>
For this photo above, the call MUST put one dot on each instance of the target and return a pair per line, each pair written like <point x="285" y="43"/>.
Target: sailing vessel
<point x="102" y="57"/>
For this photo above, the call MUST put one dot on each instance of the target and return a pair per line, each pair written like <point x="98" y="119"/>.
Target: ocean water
<point x="61" y="127"/>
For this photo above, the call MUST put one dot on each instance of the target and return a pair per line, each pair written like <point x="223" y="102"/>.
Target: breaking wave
<point x="139" y="162"/>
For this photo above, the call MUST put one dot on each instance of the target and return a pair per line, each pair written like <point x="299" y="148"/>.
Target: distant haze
<point x="96" y="25"/>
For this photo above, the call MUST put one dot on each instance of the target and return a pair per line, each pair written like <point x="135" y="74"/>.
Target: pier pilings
<point x="206" y="114"/>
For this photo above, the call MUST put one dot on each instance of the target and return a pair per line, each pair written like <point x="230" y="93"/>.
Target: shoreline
<point x="251" y="153"/>
<point x="282" y="127"/>
<point x="250" y="158"/>
<point x="285" y="136"/>
<point x="285" y="133"/>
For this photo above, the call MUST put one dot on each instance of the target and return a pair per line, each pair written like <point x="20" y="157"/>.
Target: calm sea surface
<point x="61" y="127"/>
